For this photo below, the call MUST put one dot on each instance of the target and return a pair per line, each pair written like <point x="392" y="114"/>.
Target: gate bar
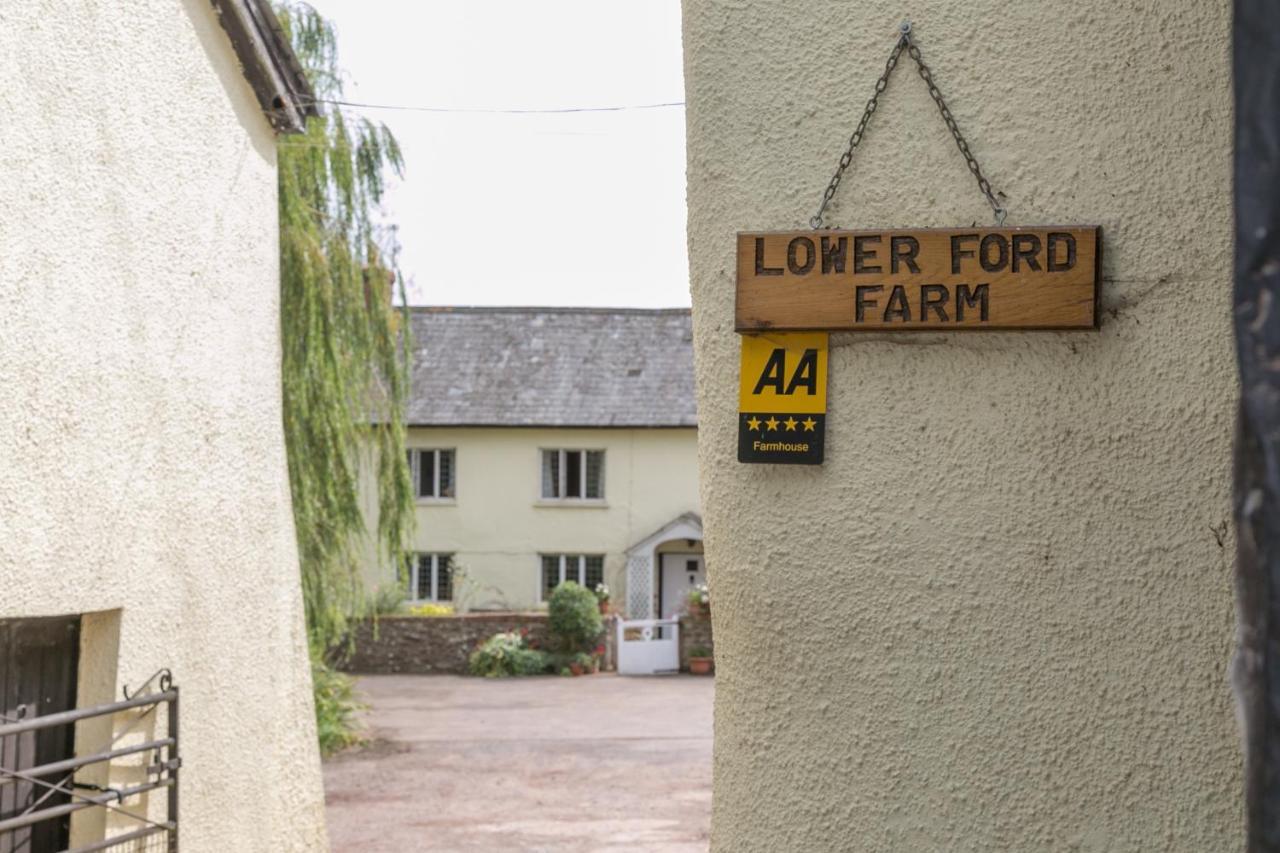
<point x="78" y="761"/>
<point x="85" y="803"/>
<point x="64" y="717"/>
<point x="118" y="839"/>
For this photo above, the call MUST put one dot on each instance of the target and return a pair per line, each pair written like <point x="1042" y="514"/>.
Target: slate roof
<point x="526" y="367"/>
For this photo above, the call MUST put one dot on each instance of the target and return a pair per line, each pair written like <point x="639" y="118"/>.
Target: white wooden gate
<point x="648" y="646"/>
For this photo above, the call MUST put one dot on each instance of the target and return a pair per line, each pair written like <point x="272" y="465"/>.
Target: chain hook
<point x="905" y="43"/>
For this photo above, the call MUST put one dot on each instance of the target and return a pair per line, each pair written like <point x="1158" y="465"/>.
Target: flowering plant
<point x="602" y="593"/>
<point x="700" y="596"/>
<point x="431" y="608"/>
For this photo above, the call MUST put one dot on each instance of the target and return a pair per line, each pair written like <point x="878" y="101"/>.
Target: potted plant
<point x="699" y="600"/>
<point x="700" y="660"/>
<point x="580" y="664"/>
<point x="602" y="598"/>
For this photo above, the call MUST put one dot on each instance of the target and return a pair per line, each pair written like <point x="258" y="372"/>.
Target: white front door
<point x="680" y="572"/>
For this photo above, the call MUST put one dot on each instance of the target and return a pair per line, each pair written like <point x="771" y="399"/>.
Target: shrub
<point x="336" y="708"/>
<point x="699" y="652"/>
<point x="573" y="616"/>
<point x="387" y="599"/>
<point x="507" y="654"/>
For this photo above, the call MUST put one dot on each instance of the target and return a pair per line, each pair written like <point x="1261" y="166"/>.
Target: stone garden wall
<point x="694" y="631"/>
<point x="426" y="645"/>
<point x="442" y="644"/>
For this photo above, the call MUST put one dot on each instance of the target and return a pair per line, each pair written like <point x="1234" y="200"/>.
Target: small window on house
<point x="433" y="473"/>
<point x="573" y="475"/>
<point x="585" y="569"/>
<point x="431" y="577"/>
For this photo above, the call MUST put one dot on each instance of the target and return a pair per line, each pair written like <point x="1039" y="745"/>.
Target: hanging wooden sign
<point x="782" y="399"/>
<point x="924" y="279"/>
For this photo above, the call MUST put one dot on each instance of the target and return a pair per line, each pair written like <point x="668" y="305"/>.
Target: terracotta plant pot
<point x="576" y="668"/>
<point x="698" y="610"/>
<point x="700" y="666"/>
<point x="604" y="608"/>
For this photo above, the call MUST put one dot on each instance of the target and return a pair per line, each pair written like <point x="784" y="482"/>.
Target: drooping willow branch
<point x="345" y="345"/>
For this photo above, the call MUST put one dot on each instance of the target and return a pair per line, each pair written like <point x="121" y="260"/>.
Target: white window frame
<point x="563" y="470"/>
<point x="435" y="485"/>
<point x="415" y="567"/>
<point x="581" y="578"/>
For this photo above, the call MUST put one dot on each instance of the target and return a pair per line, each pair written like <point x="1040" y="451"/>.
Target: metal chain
<point x="905" y="42"/>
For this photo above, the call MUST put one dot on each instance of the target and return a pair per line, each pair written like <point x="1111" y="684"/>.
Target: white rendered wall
<point x="142" y="464"/>
<point x="1007" y="615"/>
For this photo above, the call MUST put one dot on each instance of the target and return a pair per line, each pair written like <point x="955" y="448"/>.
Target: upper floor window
<point x="433" y="473"/>
<point x="584" y="569"/>
<point x="431" y="577"/>
<point x="573" y="474"/>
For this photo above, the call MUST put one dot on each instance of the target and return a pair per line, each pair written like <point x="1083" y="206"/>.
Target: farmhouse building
<point x="552" y="444"/>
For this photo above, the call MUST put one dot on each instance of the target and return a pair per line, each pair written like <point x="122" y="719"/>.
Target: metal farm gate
<point x="39" y="791"/>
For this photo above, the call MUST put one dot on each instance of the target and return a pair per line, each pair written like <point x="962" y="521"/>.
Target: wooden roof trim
<point x="268" y="63"/>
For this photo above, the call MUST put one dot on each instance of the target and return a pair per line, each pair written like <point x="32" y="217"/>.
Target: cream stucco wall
<point x="1006" y="616"/>
<point x="142" y="469"/>
<point x="498" y="524"/>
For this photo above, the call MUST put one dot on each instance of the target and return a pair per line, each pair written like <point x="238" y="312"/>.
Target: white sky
<point x="569" y="209"/>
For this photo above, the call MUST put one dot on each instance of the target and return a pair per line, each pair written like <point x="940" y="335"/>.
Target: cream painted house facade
<point x="145" y="519"/>
<point x="551" y="445"/>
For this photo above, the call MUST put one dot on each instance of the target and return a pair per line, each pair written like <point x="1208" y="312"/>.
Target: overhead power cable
<point x="497" y="111"/>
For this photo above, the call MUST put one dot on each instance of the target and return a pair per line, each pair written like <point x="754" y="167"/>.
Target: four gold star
<point x="809" y="424"/>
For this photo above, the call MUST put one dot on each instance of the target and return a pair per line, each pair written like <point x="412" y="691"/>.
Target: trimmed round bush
<point x="507" y="654"/>
<point x="573" y="615"/>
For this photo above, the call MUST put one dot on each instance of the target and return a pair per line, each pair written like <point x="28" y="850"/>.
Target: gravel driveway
<point x="527" y="764"/>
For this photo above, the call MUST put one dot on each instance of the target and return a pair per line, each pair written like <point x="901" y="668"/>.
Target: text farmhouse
<point x="1018" y="278"/>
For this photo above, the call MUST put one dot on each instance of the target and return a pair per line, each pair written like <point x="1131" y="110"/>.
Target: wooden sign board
<point x="782" y="398"/>
<point x="924" y="279"/>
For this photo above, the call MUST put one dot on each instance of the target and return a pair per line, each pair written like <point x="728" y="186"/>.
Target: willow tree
<point x="345" y="370"/>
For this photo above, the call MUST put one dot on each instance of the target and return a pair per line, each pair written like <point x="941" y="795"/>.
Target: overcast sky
<point x="565" y="209"/>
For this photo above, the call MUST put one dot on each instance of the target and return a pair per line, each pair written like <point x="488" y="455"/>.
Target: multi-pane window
<point x="433" y="473"/>
<point x="586" y="569"/>
<point x="573" y="474"/>
<point x="431" y="577"/>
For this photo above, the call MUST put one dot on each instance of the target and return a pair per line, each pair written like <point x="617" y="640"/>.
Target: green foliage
<point x="387" y="599"/>
<point x="336" y="708"/>
<point x="344" y="356"/>
<point x="573" y="615"/>
<point x="699" y="652"/>
<point x="507" y="654"/>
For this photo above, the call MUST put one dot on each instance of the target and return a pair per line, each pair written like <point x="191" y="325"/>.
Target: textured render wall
<point x="141" y="453"/>
<point x="498" y="524"/>
<point x="1006" y="616"/>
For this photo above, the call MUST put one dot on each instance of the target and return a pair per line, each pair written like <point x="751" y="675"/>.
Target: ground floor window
<point x="431" y="577"/>
<point x="585" y="569"/>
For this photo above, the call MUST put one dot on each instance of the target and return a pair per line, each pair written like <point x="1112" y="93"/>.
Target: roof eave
<point x="268" y="63"/>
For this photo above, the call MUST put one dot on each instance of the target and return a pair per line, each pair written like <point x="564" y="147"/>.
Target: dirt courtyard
<point x="526" y="764"/>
